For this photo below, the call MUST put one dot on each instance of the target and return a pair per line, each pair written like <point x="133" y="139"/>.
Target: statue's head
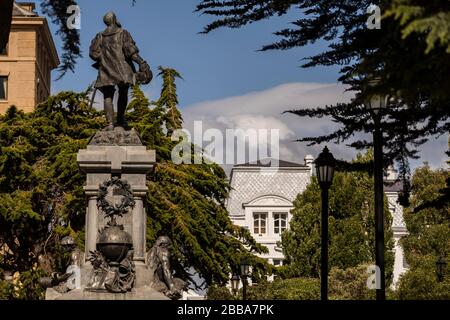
<point x="68" y="243"/>
<point x="164" y="241"/>
<point x="110" y="19"/>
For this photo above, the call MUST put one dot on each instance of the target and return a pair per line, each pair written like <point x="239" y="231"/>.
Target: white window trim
<point x="261" y="214"/>
<point x="270" y="221"/>
<point x="286" y="213"/>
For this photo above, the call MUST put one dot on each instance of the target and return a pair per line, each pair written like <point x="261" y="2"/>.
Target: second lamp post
<point x="375" y="103"/>
<point x="245" y="272"/>
<point x="325" y="164"/>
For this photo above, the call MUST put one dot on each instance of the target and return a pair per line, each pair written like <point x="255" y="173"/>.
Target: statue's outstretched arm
<point x="138" y="59"/>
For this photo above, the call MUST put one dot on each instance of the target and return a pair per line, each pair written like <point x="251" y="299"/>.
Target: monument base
<point x="142" y="290"/>
<point x="142" y="293"/>
<point x="112" y="156"/>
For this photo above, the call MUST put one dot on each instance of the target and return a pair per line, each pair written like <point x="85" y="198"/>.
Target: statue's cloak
<point x="112" y="50"/>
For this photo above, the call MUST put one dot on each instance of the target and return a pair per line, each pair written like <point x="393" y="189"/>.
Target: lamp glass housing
<point x="376" y="101"/>
<point x="235" y="280"/>
<point x="245" y="268"/>
<point x="325" y="164"/>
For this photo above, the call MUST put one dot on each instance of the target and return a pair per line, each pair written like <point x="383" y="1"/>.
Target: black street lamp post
<point x="245" y="271"/>
<point x="441" y="265"/>
<point x="375" y="103"/>
<point x="325" y="164"/>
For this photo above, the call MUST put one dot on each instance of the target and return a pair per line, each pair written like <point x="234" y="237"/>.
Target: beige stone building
<point x="27" y="60"/>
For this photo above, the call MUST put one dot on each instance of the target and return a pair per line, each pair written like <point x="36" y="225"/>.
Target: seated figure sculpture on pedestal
<point x="69" y="280"/>
<point x="114" y="52"/>
<point x="159" y="264"/>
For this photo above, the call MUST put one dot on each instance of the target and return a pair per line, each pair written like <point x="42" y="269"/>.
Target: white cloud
<point x="264" y="110"/>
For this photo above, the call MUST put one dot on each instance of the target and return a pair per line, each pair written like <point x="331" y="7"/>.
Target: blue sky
<point x="221" y="64"/>
<point x="227" y="83"/>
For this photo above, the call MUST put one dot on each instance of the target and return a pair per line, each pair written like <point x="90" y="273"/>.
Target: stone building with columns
<point x="262" y="197"/>
<point x="27" y="60"/>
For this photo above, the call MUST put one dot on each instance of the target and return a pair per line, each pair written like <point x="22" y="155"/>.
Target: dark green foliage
<point x="279" y="289"/>
<point x="442" y="198"/>
<point x="42" y="197"/>
<point x="428" y="238"/>
<point x="350" y="284"/>
<point x="351" y="227"/>
<point x="169" y="99"/>
<point x="423" y="18"/>
<point x="285" y="289"/>
<point x="219" y="293"/>
<point x="294" y="289"/>
<point x="57" y="11"/>
<point x="409" y="54"/>
<point x="40" y="187"/>
<point x="23" y="287"/>
<point x="420" y="283"/>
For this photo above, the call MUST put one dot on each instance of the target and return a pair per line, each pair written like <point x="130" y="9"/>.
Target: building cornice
<point x="36" y="23"/>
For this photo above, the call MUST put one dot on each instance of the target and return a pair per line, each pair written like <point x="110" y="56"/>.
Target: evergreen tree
<point x="57" y="11"/>
<point x="187" y="200"/>
<point x="428" y="239"/>
<point x="42" y="197"/>
<point x="409" y="54"/>
<point x="351" y="227"/>
<point x="169" y="99"/>
<point x="422" y="17"/>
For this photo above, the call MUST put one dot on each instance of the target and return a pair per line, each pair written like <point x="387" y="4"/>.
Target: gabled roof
<point x="271" y="163"/>
<point x="19" y="11"/>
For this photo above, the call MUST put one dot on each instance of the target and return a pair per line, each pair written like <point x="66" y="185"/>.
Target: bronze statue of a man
<point x="114" y="52"/>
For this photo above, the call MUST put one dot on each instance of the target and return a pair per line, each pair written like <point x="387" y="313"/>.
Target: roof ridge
<point x="268" y="162"/>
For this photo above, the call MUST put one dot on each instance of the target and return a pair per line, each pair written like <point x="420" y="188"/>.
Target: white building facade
<point x="262" y="197"/>
<point x="261" y="200"/>
<point x="398" y="228"/>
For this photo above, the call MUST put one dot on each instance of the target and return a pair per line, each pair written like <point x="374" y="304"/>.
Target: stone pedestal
<point x="141" y="293"/>
<point x="116" y="153"/>
<point x="130" y="163"/>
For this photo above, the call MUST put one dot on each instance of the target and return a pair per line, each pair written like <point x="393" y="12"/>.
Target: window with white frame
<point x="260" y="223"/>
<point x="277" y="262"/>
<point x="3" y="88"/>
<point x="279" y="222"/>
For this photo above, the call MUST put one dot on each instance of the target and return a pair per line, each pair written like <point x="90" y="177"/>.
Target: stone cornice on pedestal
<point x="138" y="191"/>
<point x="116" y="159"/>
